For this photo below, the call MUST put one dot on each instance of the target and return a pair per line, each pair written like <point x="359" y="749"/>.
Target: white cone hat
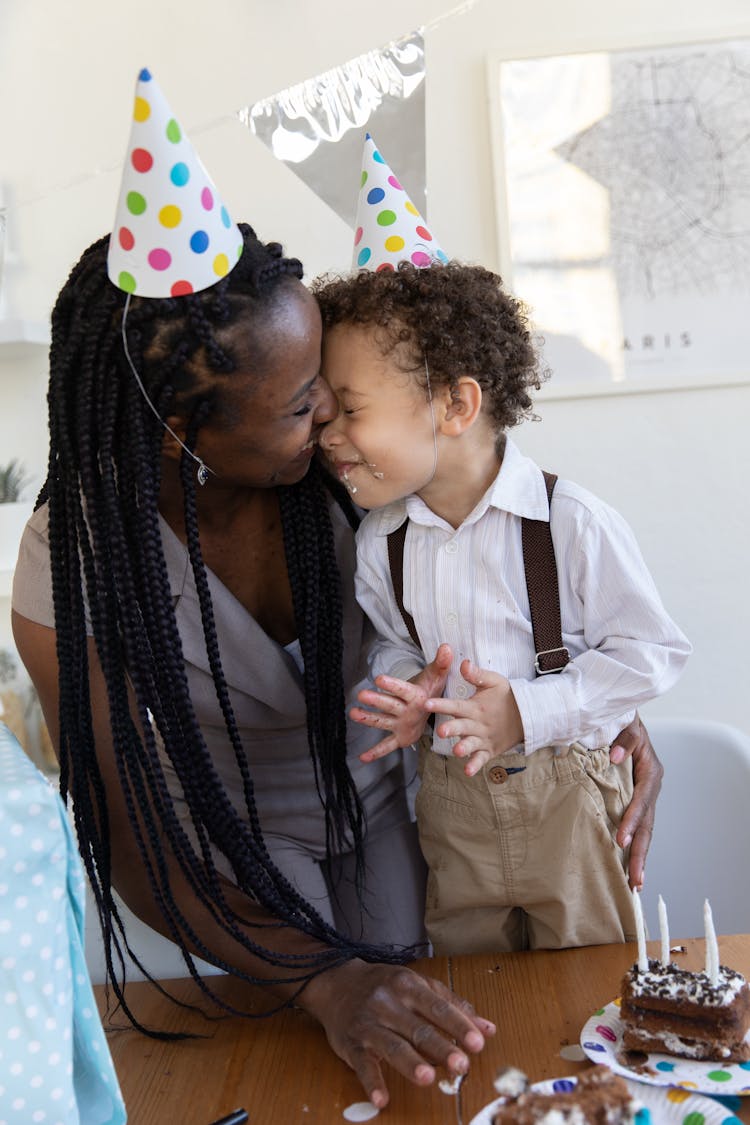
<point x="389" y="228"/>
<point x="172" y="233"/>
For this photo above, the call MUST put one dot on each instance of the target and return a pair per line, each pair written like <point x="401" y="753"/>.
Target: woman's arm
<point x="370" y="1012"/>
<point x="637" y="824"/>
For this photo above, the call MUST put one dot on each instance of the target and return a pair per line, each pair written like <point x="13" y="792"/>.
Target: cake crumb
<point x="451" y="1086"/>
<point x="510" y="1082"/>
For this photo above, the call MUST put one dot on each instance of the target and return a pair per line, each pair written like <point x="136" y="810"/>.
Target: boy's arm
<point x="632" y="650"/>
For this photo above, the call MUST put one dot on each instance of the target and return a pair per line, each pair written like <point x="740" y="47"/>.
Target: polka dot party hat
<point x="172" y="233"/>
<point x="389" y="228"/>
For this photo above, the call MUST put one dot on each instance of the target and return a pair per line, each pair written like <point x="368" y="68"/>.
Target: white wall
<point x="675" y="464"/>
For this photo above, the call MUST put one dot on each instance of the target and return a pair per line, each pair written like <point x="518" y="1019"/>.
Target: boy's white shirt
<point x="467" y="587"/>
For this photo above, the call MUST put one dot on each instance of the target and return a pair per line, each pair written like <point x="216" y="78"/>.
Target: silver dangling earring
<point x="202" y="474"/>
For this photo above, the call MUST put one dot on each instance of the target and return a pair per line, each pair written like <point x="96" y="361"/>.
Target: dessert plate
<point x="665" y="1107"/>
<point x="601" y="1039"/>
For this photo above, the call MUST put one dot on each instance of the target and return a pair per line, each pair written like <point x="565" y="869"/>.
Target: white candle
<point x="640" y="932"/>
<point x="663" y="932"/>
<point x="712" y="949"/>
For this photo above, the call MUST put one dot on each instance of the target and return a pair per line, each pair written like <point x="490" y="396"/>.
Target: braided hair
<point x="107" y="562"/>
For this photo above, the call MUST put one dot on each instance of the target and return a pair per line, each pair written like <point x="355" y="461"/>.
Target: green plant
<point x="8" y="666"/>
<point x="13" y="480"/>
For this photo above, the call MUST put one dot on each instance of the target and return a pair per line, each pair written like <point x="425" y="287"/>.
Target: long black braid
<point x="107" y="557"/>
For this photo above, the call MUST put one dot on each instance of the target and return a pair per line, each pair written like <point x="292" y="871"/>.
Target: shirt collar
<point x="518" y="488"/>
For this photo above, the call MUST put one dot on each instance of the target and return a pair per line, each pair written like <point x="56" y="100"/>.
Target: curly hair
<point x="456" y="315"/>
<point x="109" y="577"/>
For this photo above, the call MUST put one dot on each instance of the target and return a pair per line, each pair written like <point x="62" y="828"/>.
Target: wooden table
<point x="282" y="1071"/>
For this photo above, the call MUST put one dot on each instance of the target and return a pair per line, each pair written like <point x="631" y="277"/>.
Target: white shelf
<point x="20" y="338"/>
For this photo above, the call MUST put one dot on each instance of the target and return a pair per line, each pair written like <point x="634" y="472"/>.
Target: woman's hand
<point x="399" y="705"/>
<point x="384" y="1013"/>
<point x="637" y="825"/>
<point x="487" y="724"/>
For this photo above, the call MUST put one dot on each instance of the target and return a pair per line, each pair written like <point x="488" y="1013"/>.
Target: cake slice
<point x="677" y="1012"/>
<point x="599" y="1097"/>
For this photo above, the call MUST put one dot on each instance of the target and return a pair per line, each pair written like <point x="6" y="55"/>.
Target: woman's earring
<point x="202" y="474"/>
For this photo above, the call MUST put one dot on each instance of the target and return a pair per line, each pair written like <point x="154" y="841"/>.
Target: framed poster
<point x="623" y="211"/>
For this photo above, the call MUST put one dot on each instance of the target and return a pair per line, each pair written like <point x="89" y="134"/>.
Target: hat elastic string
<point x="203" y="469"/>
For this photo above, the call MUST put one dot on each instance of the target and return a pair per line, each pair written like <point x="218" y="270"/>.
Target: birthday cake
<point x="668" y="1009"/>
<point x="598" y="1097"/>
<point x="703" y="1015"/>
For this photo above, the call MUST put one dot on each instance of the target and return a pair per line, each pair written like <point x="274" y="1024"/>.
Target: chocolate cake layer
<point x="681" y="1013"/>
<point x="666" y="1042"/>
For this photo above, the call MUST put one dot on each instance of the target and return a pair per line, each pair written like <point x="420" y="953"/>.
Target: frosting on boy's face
<point x="382" y="444"/>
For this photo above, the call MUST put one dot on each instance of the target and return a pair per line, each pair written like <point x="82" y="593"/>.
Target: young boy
<point x="519" y="802"/>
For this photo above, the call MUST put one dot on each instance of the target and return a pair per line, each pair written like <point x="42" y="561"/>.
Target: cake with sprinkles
<point x="677" y="1012"/>
<point x="597" y="1097"/>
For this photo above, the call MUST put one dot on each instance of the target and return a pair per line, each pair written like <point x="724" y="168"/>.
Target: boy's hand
<point x="399" y="705"/>
<point x="486" y="725"/>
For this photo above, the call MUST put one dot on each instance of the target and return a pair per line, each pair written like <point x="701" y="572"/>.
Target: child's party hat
<point x="389" y="228"/>
<point x="172" y="233"/>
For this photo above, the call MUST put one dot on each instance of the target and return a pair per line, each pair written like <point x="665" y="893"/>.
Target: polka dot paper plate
<point x="601" y="1039"/>
<point x="661" y="1107"/>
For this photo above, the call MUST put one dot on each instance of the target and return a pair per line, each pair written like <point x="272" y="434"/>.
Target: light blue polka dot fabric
<point x="55" y="1065"/>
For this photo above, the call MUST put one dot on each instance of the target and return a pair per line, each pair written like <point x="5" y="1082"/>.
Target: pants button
<point x="498" y="775"/>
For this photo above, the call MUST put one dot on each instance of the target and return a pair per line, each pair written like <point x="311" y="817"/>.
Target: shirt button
<point x="498" y="775"/>
<point x="461" y="691"/>
<point x="451" y="618"/>
<point x="451" y="547"/>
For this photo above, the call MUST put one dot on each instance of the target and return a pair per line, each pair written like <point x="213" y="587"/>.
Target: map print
<point x="627" y="178"/>
<point x="674" y="154"/>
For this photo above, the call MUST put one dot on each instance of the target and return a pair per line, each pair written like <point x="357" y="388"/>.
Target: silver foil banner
<point x="318" y="127"/>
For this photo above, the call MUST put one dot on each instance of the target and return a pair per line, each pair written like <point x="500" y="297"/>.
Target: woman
<point x="205" y="757"/>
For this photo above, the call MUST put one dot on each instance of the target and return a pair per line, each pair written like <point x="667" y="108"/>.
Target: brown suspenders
<point x="541" y="585"/>
<point x="396" y="541"/>
<point x="543" y="590"/>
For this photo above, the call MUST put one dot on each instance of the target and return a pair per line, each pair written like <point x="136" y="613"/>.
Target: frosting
<point x="511" y="1082"/>
<point x="673" y="983"/>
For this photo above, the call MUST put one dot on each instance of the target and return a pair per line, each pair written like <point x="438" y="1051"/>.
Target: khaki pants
<point x="523" y="855"/>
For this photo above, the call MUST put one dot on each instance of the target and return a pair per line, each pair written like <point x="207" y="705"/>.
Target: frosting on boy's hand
<point x="487" y="724"/>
